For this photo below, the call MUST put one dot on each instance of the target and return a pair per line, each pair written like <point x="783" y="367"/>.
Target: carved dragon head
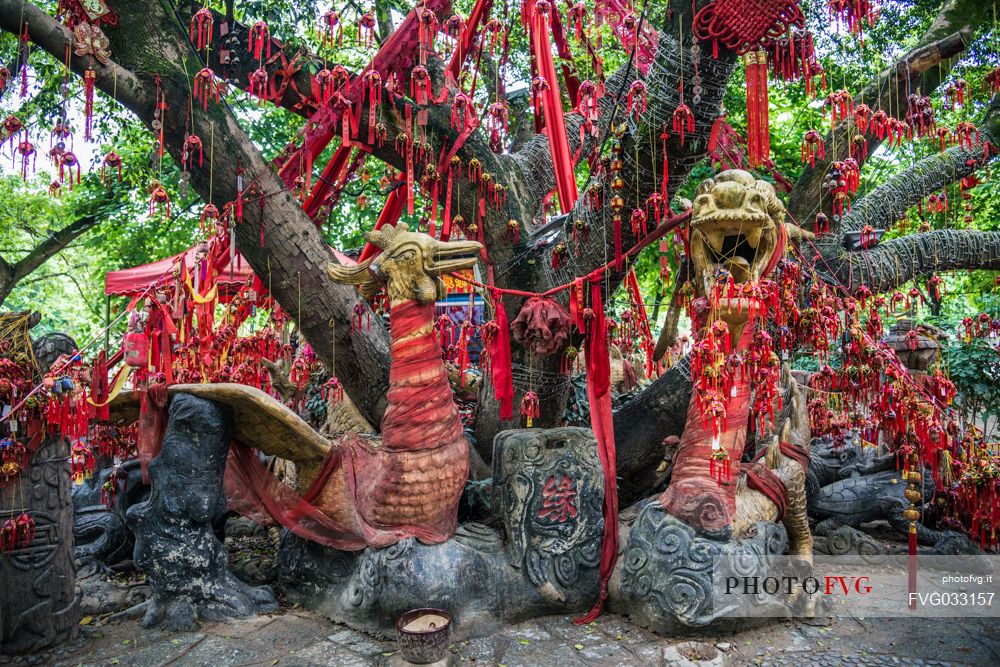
<point x="410" y="265"/>
<point x="737" y="223"/>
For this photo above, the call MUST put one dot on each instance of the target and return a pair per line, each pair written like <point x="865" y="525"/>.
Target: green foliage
<point x="975" y="369"/>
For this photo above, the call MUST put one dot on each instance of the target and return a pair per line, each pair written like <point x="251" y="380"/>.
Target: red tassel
<point x="758" y="126"/>
<point x="530" y="408"/>
<point x="89" y="77"/>
<point x="617" y="223"/>
<point x="203" y="20"/>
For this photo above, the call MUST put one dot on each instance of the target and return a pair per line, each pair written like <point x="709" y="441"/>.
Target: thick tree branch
<point x="885" y="204"/>
<point x="52" y="245"/>
<point x="289" y="75"/>
<point x="894" y="262"/>
<point x="275" y="235"/>
<point x="921" y="69"/>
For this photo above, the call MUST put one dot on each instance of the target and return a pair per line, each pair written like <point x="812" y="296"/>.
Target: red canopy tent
<point x="129" y="282"/>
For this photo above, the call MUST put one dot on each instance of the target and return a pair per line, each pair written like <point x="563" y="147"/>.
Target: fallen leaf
<point x="86" y="620"/>
<point x="274" y="662"/>
<point x="578" y="647"/>
<point x="388" y="653"/>
<point x="525" y="642"/>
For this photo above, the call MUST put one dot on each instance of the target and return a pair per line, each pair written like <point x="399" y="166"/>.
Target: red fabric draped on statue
<point x="421" y="412"/>
<point x="255" y="493"/>
<point x="695" y="496"/>
<point x="363" y="490"/>
<point x="152" y="425"/>
<point x="599" y="397"/>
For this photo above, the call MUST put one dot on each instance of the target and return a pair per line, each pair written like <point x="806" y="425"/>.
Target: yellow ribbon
<point x="116" y="387"/>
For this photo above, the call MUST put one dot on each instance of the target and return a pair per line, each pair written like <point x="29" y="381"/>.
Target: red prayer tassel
<point x="89" y="77"/>
<point x="758" y="126"/>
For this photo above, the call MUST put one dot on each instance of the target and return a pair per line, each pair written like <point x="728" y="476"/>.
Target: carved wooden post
<point x="38" y="603"/>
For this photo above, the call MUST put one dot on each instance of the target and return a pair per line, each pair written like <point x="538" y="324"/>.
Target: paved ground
<point x="301" y="639"/>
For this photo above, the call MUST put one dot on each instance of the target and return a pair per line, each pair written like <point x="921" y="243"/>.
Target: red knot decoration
<point x="741" y="25"/>
<point x="749" y="27"/>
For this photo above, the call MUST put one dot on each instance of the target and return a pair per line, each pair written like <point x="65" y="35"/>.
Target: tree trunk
<point x="279" y="241"/>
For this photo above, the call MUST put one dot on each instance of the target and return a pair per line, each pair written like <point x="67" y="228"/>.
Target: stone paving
<point x="297" y="638"/>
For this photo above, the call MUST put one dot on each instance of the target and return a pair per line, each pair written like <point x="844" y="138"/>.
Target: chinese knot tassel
<point x="758" y="129"/>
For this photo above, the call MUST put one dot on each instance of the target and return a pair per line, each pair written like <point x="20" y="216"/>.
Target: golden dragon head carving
<point x="410" y="265"/>
<point x="737" y="224"/>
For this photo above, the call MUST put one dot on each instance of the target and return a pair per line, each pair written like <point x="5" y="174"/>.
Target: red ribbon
<point x="599" y="397"/>
<point x="503" y="378"/>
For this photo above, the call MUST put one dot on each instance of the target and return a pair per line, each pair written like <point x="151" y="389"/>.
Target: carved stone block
<point x="39" y="607"/>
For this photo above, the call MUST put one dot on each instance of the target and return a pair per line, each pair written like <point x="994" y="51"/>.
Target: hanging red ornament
<point x="26" y="150"/>
<point x="333" y="391"/>
<point x="513" y="231"/>
<point x="683" y="121"/>
<point x="944" y="138"/>
<point x="366" y="29"/>
<point x="25" y="52"/>
<point x="879" y="124"/>
<point x="858" y="148"/>
<point x="920" y="114"/>
<point x="11" y="126"/>
<point x="637" y="99"/>
<point x="991" y="82"/>
<point x="868" y="239"/>
<point x="638" y="223"/>
<point x="55" y="189"/>
<point x="462" y="111"/>
<point x="420" y="85"/>
<point x="497" y="117"/>
<point x="967" y="134"/>
<point x="207" y="86"/>
<point x="333" y="29"/>
<point x="576" y="16"/>
<point x="4" y="78"/>
<point x="559" y="253"/>
<point x="862" y="117"/>
<point x="67" y="162"/>
<point x="530" y="408"/>
<point x="258" y="85"/>
<point x="758" y="125"/>
<point x="852" y="14"/>
<point x="191" y="146"/>
<point x="427" y="27"/>
<point x="260" y="37"/>
<point x="955" y="93"/>
<point x="159" y="199"/>
<point x="111" y="162"/>
<point x="741" y="28"/>
<point x="201" y="23"/>
<point x="209" y="214"/>
<point x="89" y="79"/>
<point x="813" y="146"/>
<point x="822" y="225"/>
<point x="371" y="82"/>
<point x="841" y="104"/>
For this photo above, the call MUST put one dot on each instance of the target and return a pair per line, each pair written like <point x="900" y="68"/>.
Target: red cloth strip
<point x="601" y="421"/>
<point x="328" y="182"/>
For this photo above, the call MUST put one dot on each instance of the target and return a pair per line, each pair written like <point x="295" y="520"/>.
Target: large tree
<point x="152" y="52"/>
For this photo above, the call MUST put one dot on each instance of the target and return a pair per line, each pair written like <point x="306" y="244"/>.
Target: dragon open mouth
<point x="741" y="247"/>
